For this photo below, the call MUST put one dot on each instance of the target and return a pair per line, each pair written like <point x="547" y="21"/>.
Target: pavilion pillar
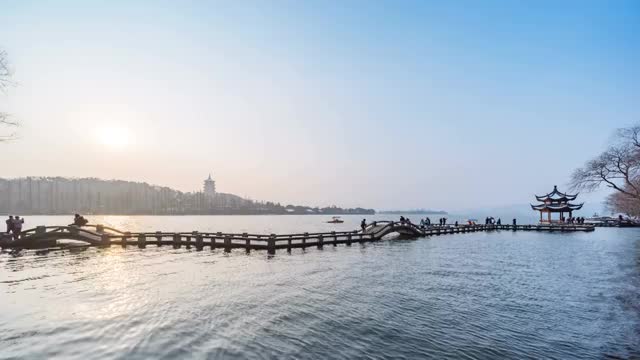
<point x="549" y="216"/>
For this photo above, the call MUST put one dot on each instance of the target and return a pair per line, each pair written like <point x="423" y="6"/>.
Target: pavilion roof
<point x="556" y="195"/>
<point x="557" y="207"/>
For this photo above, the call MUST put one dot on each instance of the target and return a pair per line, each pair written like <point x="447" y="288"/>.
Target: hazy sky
<point x="398" y="104"/>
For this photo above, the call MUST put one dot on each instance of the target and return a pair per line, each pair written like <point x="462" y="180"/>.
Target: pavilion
<point x="556" y="202"/>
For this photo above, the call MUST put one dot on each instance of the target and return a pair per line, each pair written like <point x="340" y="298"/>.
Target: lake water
<point x="472" y="296"/>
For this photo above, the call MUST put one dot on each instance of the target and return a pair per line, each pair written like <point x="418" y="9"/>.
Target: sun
<point x="114" y="137"/>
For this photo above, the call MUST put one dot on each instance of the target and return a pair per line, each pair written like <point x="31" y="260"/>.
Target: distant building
<point x="209" y="188"/>
<point x="556" y="202"/>
<point x="58" y="195"/>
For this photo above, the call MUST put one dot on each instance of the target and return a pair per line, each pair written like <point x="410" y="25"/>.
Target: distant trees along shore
<point x="58" y="195"/>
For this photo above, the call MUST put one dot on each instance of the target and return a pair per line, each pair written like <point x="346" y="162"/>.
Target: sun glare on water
<point x="115" y="138"/>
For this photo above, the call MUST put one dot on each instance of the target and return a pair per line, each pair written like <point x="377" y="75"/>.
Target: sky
<point x="386" y="104"/>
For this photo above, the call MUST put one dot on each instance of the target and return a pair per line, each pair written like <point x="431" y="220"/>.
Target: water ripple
<point x="472" y="296"/>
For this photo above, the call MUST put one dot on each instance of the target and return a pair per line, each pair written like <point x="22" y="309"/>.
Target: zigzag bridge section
<point x="99" y="235"/>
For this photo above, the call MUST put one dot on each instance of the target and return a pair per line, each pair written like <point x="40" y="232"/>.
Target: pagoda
<point x="556" y="202"/>
<point x="209" y="188"/>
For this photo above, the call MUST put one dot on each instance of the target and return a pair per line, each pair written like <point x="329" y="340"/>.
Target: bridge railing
<point x="39" y="228"/>
<point x="104" y="228"/>
<point x="390" y="226"/>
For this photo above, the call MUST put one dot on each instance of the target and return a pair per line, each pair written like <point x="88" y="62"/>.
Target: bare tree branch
<point x="617" y="168"/>
<point x="630" y="135"/>
<point x="5" y="82"/>
<point x="5" y="71"/>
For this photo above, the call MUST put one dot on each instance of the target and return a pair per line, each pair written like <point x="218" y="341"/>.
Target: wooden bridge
<point x="99" y="235"/>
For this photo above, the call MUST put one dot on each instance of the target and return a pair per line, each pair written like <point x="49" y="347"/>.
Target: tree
<point x="619" y="202"/>
<point x="5" y="82"/>
<point x="618" y="168"/>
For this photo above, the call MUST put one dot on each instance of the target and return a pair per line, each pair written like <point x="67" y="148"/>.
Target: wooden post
<point x="195" y="236"/>
<point x="289" y="244"/>
<point x="176" y="241"/>
<point x="126" y="236"/>
<point x="199" y="242"/>
<point x="271" y="245"/>
<point x="320" y="241"/>
<point x="218" y="236"/>
<point x="227" y="244"/>
<point x="159" y="238"/>
<point x="142" y="241"/>
<point x="349" y="239"/>
<point x="304" y="240"/>
<point x="335" y="238"/>
<point x="105" y="240"/>
<point x="247" y="242"/>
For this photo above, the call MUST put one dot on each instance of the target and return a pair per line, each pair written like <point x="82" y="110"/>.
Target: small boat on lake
<point x="335" y="220"/>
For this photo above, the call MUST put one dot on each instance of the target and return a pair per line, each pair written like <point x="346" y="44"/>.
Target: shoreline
<point x="190" y="214"/>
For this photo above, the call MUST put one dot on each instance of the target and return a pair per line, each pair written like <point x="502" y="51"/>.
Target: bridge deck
<point x="99" y="235"/>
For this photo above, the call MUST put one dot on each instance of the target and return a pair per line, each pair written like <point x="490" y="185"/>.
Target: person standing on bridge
<point x="363" y="224"/>
<point x="514" y="222"/>
<point x="9" y="223"/>
<point x="79" y="220"/>
<point x="17" y="227"/>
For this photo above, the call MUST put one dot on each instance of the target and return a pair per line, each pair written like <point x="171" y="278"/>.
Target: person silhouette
<point x="17" y="227"/>
<point x="9" y="223"/>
